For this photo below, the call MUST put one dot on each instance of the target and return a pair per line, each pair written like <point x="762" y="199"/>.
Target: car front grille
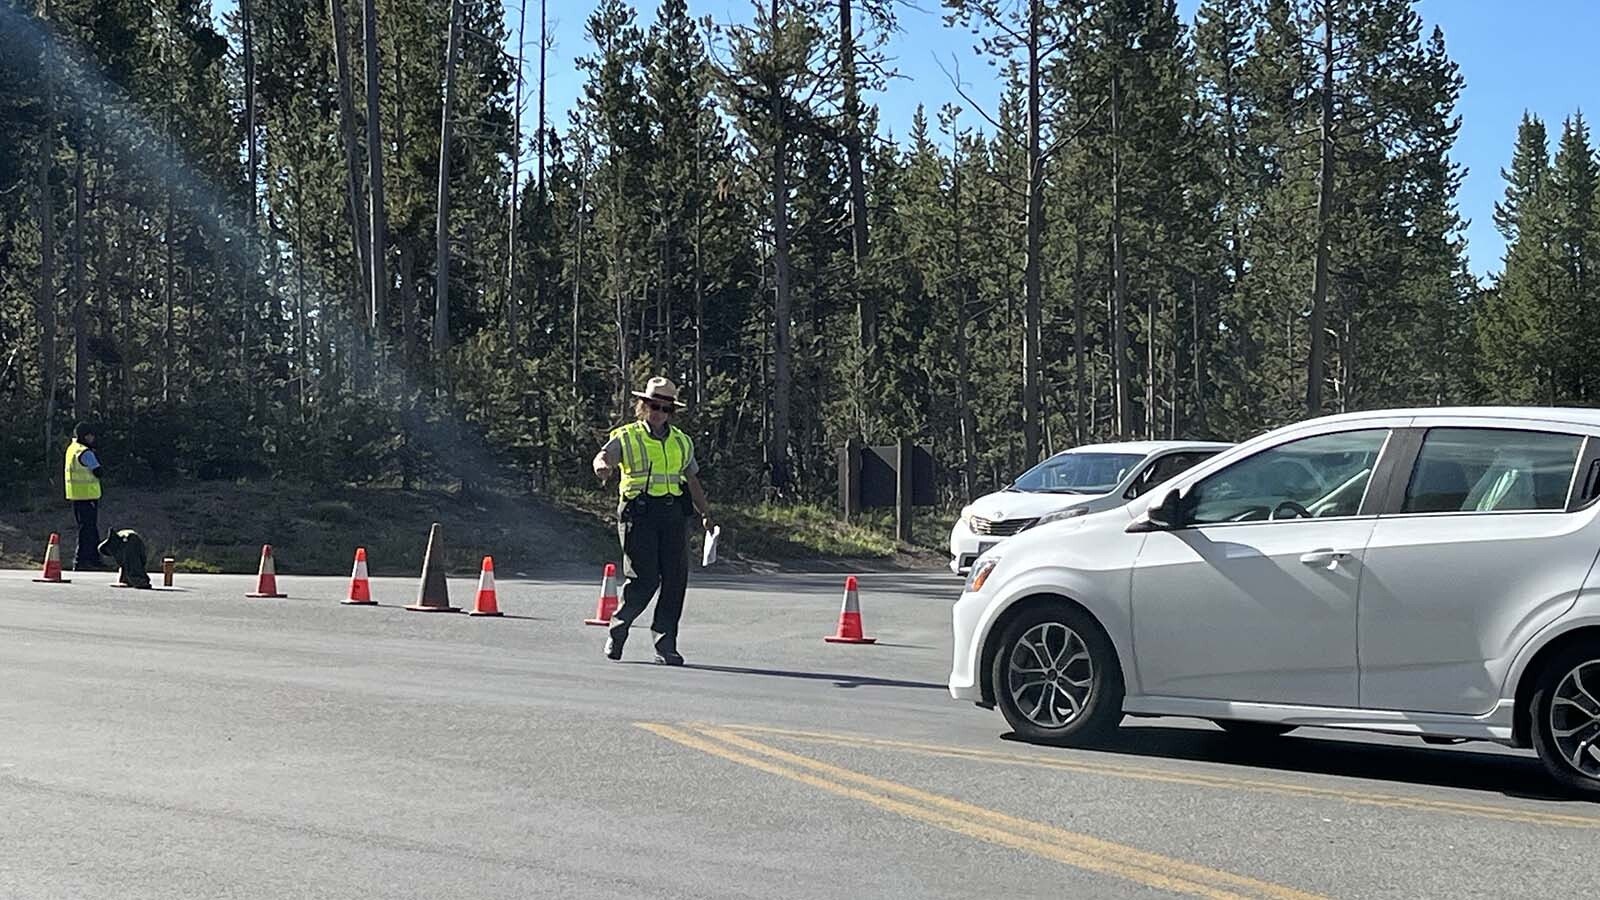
<point x="1000" y="527"/>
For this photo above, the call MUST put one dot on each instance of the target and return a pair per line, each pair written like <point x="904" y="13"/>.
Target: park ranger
<point x="660" y="491"/>
<point x="82" y="479"/>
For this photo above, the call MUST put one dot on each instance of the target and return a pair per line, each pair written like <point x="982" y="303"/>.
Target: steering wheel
<point x="1300" y="512"/>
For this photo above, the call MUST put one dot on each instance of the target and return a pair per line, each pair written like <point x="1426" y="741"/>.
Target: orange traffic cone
<point x="608" y="598"/>
<point x="52" y="562"/>
<point x="488" y="604"/>
<point x="849" y="631"/>
<point x="360" y="587"/>
<point x="267" y="576"/>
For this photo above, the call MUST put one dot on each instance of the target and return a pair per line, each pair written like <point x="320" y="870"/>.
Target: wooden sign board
<point x="897" y="476"/>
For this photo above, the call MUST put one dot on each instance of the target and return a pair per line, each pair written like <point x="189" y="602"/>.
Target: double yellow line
<point x="1196" y="779"/>
<point x="1071" y="848"/>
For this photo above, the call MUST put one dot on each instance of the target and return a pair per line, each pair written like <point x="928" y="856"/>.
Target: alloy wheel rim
<point x="1050" y="675"/>
<point x="1575" y="718"/>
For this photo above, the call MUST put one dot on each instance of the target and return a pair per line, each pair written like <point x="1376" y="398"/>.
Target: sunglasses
<point x="661" y="408"/>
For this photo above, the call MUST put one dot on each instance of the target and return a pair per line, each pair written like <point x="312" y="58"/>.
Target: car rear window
<point x="1484" y="470"/>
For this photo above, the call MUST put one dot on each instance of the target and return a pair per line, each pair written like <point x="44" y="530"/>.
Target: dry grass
<point x="220" y="527"/>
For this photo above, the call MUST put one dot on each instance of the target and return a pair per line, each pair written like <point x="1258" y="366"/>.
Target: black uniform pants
<point x="655" y="555"/>
<point x="87" y="514"/>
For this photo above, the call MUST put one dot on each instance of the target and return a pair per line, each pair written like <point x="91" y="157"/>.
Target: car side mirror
<point x="1166" y="514"/>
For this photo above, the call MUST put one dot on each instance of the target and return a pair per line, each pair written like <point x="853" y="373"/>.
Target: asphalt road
<point x="195" y="744"/>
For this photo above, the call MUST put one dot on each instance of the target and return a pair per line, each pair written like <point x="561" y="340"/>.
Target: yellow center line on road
<point x="1388" y="801"/>
<point x="1076" y="850"/>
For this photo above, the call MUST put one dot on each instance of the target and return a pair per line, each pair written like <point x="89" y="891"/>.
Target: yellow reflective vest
<point x="81" y="483"/>
<point x="651" y="465"/>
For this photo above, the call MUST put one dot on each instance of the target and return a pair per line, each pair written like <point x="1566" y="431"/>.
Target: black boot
<point x="667" y="651"/>
<point x="614" y="643"/>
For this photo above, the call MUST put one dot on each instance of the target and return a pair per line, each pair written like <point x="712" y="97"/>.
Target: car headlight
<point x="980" y="573"/>
<point x="1071" y="512"/>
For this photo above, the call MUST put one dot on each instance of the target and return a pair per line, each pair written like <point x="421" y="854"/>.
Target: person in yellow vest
<point x="83" y="492"/>
<point x="660" y="491"/>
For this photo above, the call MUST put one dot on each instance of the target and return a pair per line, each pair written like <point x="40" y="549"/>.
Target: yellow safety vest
<point x="651" y="465"/>
<point x="81" y="483"/>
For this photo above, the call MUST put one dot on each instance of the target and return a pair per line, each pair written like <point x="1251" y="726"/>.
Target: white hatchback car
<point x="1426" y="572"/>
<point x="1071" y="483"/>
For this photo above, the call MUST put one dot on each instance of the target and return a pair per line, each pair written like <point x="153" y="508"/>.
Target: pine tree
<point x="378" y="231"/>
<point x="677" y="86"/>
<point x="735" y="219"/>
<point x="1406" y="317"/>
<point x="1033" y="34"/>
<point x="1512" y="324"/>
<point x="614" y="112"/>
<point x="1530" y="162"/>
<point x="1230" y="182"/>
<point x="1575" y="296"/>
<point x="774" y="64"/>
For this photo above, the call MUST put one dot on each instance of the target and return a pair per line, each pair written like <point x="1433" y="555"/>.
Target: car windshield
<point x="1077" y="473"/>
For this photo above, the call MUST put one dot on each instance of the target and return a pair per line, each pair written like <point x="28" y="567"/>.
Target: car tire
<point x="1254" y="731"/>
<point x="1075" y="696"/>
<point x="1566" y="719"/>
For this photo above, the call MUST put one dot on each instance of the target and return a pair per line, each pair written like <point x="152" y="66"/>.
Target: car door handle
<point x="1324" y="557"/>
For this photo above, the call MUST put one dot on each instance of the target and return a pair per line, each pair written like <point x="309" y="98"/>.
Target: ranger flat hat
<point x="660" y="389"/>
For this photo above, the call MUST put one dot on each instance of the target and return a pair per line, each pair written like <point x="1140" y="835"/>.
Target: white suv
<point x="1071" y="483"/>
<point x="1424" y="572"/>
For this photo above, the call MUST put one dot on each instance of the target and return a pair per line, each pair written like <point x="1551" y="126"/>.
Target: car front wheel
<point x="1056" y="677"/>
<point x="1566" y="719"/>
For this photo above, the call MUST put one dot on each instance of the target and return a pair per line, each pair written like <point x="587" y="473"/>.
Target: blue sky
<point x="1537" y="55"/>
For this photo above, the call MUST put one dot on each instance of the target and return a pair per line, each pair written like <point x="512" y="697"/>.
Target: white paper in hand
<point x="710" y="554"/>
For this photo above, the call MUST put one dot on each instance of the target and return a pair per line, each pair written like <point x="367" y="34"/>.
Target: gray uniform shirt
<point x="612" y="454"/>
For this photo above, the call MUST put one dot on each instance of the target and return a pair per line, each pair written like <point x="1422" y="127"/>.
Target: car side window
<point x="1481" y="470"/>
<point x="1318" y="477"/>
<point x="1164" y="469"/>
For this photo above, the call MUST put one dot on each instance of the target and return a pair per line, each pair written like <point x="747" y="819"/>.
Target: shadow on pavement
<point x="395" y="605"/>
<point x="1513" y="776"/>
<point x="921" y="583"/>
<point x="844" y="681"/>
